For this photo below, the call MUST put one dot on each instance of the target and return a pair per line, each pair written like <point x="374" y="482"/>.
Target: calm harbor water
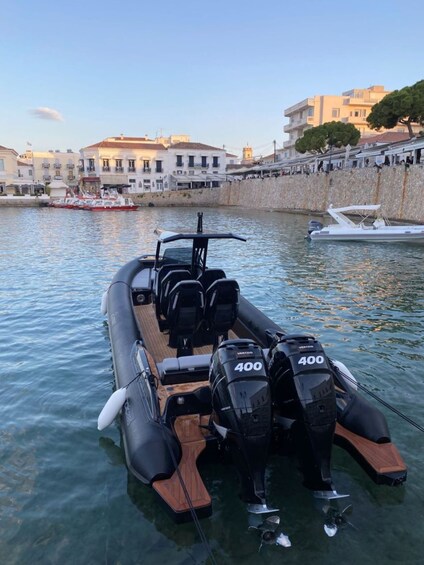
<point x="65" y="494"/>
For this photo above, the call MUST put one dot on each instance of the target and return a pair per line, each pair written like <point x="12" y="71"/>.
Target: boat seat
<point x="184" y="315"/>
<point x="160" y="275"/>
<point x="168" y="283"/>
<point x="209" y="276"/>
<point x="185" y="369"/>
<point x="221" y="307"/>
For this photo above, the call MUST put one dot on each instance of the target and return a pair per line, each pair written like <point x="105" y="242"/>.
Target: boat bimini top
<point x="338" y="215"/>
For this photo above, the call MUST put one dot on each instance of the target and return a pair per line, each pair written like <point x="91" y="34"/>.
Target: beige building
<point x="352" y="107"/>
<point x="49" y="166"/>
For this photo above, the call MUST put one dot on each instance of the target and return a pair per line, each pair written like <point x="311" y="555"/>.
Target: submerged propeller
<point x="269" y="535"/>
<point x="336" y="519"/>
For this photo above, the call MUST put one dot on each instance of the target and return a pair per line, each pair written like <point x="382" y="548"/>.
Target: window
<point x="310" y="111"/>
<point x="91" y="164"/>
<point x="179" y="160"/>
<point x="191" y="160"/>
<point x="1" y="164"/>
<point x="119" y="163"/>
<point x="146" y="166"/>
<point x="215" y="162"/>
<point x="335" y="113"/>
<point x="204" y="161"/>
<point x="159" y="166"/>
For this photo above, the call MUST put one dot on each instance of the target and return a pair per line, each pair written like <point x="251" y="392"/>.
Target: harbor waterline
<point x="66" y="495"/>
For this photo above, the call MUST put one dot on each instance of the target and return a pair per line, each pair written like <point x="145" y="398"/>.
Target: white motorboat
<point x="347" y="229"/>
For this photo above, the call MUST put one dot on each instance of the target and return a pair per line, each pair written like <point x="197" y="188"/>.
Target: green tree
<point x="404" y="106"/>
<point x="321" y="139"/>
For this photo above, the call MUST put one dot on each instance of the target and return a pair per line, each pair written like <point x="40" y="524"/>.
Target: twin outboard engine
<point x="241" y="400"/>
<point x="304" y="402"/>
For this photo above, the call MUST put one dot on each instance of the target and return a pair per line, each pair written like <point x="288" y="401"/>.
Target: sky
<point x="222" y="72"/>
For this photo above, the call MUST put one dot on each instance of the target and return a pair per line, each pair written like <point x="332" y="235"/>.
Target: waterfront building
<point x="8" y="167"/>
<point x="196" y="165"/>
<point x="53" y="165"/>
<point x="140" y="164"/>
<point x="352" y="107"/>
<point x="129" y="164"/>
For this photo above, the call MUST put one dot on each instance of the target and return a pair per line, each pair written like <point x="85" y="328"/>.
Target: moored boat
<point x="200" y="370"/>
<point x="346" y="229"/>
<point x="121" y="203"/>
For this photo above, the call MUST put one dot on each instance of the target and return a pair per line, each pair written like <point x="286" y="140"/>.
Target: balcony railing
<point x="119" y="169"/>
<point x="106" y="169"/>
<point x="81" y="168"/>
<point x="179" y="164"/>
<point x="46" y="177"/>
<point x="57" y="177"/>
<point x="131" y="169"/>
<point x="70" y="166"/>
<point x="159" y="170"/>
<point x="147" y="170"/>
<point x="46" y="165"/>
<point x="199" y="165"/>
<point x="57" y="165"/>
<point x="91" y="169"/>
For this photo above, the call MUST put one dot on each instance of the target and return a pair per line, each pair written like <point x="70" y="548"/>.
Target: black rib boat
<point x="198" y="367"/>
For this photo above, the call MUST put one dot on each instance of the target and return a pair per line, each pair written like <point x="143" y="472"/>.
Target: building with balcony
<point x="352" y="107"/>
<point x="52" y="165"/>
<point x="196" y="165"/>
<point x="140" y="164"/>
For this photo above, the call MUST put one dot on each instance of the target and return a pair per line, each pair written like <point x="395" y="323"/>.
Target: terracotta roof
<point x="194" y="145"/>
<point x="23" y="163"/>
<point x="123" y="145"/>
<point x="386" y="137"/>
<point x="230" y="155"/>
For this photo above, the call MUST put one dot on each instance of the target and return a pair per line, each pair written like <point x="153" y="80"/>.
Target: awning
<point x="90" y="179"/>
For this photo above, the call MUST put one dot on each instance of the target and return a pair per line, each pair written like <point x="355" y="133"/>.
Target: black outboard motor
<point x="314" y="225"/>
<point x="304" y="399"/>
<point x="241" y="400"/>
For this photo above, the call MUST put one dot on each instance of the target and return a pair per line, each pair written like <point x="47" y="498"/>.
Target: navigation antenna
<point x="199" y="222"/>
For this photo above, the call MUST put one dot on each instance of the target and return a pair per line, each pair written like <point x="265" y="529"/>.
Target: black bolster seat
<point x="209" y="276"/>
<point x="168" y="283"/>
<point x="221" y="306"/>
<point x="160" y="275"/>
<point x="184" y="315"/>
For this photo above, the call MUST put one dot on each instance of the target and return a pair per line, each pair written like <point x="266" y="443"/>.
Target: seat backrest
<point x="168" y="283"/>
<point x="221" y="305"/>
<point x="209" y="276"/>
<point x="160" y="275"/>
<point x="185" y="311"/>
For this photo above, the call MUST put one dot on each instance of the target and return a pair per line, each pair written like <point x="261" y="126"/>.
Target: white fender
<point x="346" y="371"/>
<point x="103" y="306"/>
<point x="111" y="408"/>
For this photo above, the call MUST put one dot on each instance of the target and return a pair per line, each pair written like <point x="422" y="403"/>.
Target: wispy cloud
<point x="47" y="114"/>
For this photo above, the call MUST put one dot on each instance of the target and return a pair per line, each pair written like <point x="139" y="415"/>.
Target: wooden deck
<point x="194" y="493"/>
<point x="155" y="341"/>
<point x="383" y="458"/>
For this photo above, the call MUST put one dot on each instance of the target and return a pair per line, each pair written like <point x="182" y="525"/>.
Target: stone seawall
<point x="400" y="191"/>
